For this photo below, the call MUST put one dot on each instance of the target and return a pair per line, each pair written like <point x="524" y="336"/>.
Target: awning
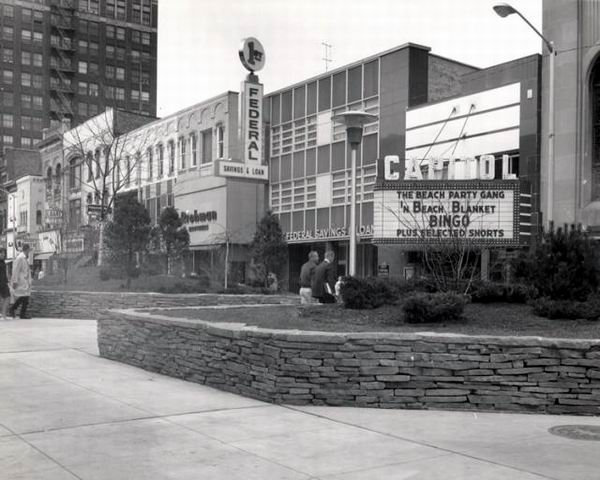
<point x="42" y="256"/>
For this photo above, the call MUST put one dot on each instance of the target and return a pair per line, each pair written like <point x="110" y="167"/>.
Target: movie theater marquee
<point x="481" y="212"/>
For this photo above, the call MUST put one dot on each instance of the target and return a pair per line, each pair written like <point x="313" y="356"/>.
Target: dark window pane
<point x="367" y="213"/>
<point x="371" y="79"/>
<point x="339" y="89"/>
<point x="311" y="156"/>
<point x="275" y="115"/>
<point x="323" y="165"/>
<point x="274" y="167"/>
<point x="337" y="217"/>
<point x="354" y="83"/>
<point x="298" y="165"/>
<point x="309" y="220"/>
<point x="311" y="98"/>
<point x="299" y="99"/>
<point x="284" y="222"/>
<point x="286" y="167"/>
<point x="338" y="161"/>
<point x="369" y="149"/>
<point x="323" y="218"/>
<point x="324" y="94"/>
<point x="297" y="221"/>
<point x="286" y="106"/>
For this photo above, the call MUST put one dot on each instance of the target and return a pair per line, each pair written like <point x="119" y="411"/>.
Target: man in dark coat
<point x="307" y="273"/>
<point x="323" y="284"/>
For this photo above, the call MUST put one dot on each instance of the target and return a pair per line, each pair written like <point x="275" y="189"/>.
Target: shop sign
<point x="252" y="54"/>
<point x="199" y="217"/>
<point x="480" y="212"/>
<point x="74" y="245"/>
<point x="327" y="233"/>
<point x="383" y="270"/>
<point x="482" y="168"/>
<point x="252" y="122"/>
<point x="243" y="170"/>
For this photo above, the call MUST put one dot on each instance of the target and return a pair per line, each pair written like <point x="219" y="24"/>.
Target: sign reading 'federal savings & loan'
<point x="422" y="212"/>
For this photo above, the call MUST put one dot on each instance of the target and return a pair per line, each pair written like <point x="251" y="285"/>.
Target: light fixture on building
<point x="354" y="122"/>
<point x="504" y="10"/>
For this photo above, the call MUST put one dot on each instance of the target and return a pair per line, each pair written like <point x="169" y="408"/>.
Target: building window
<point x="74" y="213"/>
<point x="38" y="217"/>
<point x="7" y="120"/>
<point x="25" y="57"/>
<point x="7" y="32"/>
<point x="120" y="33"/>
<point x="150" y="163"/>
<point x="109" y="71"/>
<point x="93" y="68"/>
<point x="74" y="174"/>
<point x="38" y="102"/>
<point x="109" y="92"/>
<point x="7" y="99"/>
<point x="83" y="67"/>
<point x="25" y="101"/>
<point x="171" y="153"/>
<point x="110" y="29"/>
<point x="207" y="146"/>
<point x="8" y="55"/>
<point x="160" y="159"/>
<point x="120" y="73"/>
<point x="38" y="60"/>
<point x="220" y="141"/>
<point x="120" y="93"/>
<point x="25" y="79"/>
<point x="82" y="109"/>
<point x="182" y="153"/>
<point x="94" y="90"/>
<point x="194" y="149"/>
<point x="7" y="76"/>
<point x="26" y="35"/>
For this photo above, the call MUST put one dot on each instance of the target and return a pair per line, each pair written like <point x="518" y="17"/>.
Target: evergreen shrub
<point x="490" y="292"/>
<point x="367" y="293"/>
<point x="433" y="307"/>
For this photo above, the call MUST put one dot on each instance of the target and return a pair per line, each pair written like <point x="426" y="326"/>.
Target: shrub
<point x="406" y="287"/>
<point x="567" y="309"/>
<point x="489" y="292"/>
<point x="563" y="266"/>
<point x="104" y="274"/>
<point x="367" y="293"/>
<point x="433" y="307"/>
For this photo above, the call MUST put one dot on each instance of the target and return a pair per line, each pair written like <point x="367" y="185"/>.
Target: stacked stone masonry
<point x="59" y="304"/>
<point x="391" y="370"/>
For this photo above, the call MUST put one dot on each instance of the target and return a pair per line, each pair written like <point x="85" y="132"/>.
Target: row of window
<point x="141" y="11"/>
<point x="345" y="87"/>
<point x="27" y="36"/>
<point x="27" y="122"/>
<point x="27" y="79"/>
<point x="34" y="102"/>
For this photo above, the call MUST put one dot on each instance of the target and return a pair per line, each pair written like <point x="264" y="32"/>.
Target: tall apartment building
<point x="69" y="59"/>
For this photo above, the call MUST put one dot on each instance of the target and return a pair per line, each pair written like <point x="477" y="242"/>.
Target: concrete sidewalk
<point x="65" y="413"/>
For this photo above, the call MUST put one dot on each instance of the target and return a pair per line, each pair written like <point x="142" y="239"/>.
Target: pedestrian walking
<point x="323" y="285"/>
<point x="21" y="282"/>
<point x="307" y="273"/>
<point x="4" y="288"/>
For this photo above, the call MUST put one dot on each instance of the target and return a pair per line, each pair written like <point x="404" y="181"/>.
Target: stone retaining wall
<point x="60" y="304"/>
<point x="387" y="370"/>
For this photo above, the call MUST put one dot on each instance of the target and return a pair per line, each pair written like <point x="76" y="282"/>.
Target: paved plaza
<point x="66" y="413"/>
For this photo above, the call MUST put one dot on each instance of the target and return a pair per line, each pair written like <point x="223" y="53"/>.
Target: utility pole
<point x="327" y="57"/>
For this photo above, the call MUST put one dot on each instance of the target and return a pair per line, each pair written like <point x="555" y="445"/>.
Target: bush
<point x="567" y="309"/>
<point x="104" y="274"/>
<point x="563" y="266"/>
<point x="152" y="266"/>
<point x="406" y="287"/>
<point x="489" y="292"/>
<point x="433" y="307"/>
<point x="367" y="293"/>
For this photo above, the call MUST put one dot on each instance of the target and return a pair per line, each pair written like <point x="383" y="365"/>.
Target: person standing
<point x="307" y="272"/>
<point x="323" y="284"/>
<point x="21" y="282"/>
<point x="4" y="289"/>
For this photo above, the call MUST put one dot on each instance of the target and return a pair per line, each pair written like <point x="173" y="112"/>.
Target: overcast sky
<point x="198" y="40"/>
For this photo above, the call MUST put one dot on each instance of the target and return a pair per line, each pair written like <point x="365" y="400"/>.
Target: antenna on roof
<point x="327" y="57"/>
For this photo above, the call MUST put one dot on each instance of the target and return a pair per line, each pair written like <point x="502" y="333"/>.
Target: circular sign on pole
<point x="252" y="54"/>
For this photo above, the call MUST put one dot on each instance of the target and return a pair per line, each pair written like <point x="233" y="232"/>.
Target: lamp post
<point x="354" y="122"/>
<point x="504" y="10"/>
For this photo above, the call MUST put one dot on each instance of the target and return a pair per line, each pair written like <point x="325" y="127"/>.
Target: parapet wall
<point x="87" y="305"/>
<point x="387" y="370"/>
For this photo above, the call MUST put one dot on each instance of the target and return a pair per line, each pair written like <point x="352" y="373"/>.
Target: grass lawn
<point x="88" y="279"/>
<point x="478" y="319"/>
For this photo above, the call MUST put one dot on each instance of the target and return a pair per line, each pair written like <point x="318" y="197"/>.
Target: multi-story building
<point x="69" y="59"/>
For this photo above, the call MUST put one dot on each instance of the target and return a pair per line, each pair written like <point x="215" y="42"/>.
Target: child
<point x="338" y="289"/>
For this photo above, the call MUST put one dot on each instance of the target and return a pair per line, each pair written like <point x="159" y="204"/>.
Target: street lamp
<point x="354" y="122"/>
<point x="504" y="10"/>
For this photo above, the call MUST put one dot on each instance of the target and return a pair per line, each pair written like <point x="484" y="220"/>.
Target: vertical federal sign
<point x="252" y="56"/>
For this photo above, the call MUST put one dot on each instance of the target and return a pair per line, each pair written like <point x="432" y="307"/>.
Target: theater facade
<point x="454" y="147"/>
